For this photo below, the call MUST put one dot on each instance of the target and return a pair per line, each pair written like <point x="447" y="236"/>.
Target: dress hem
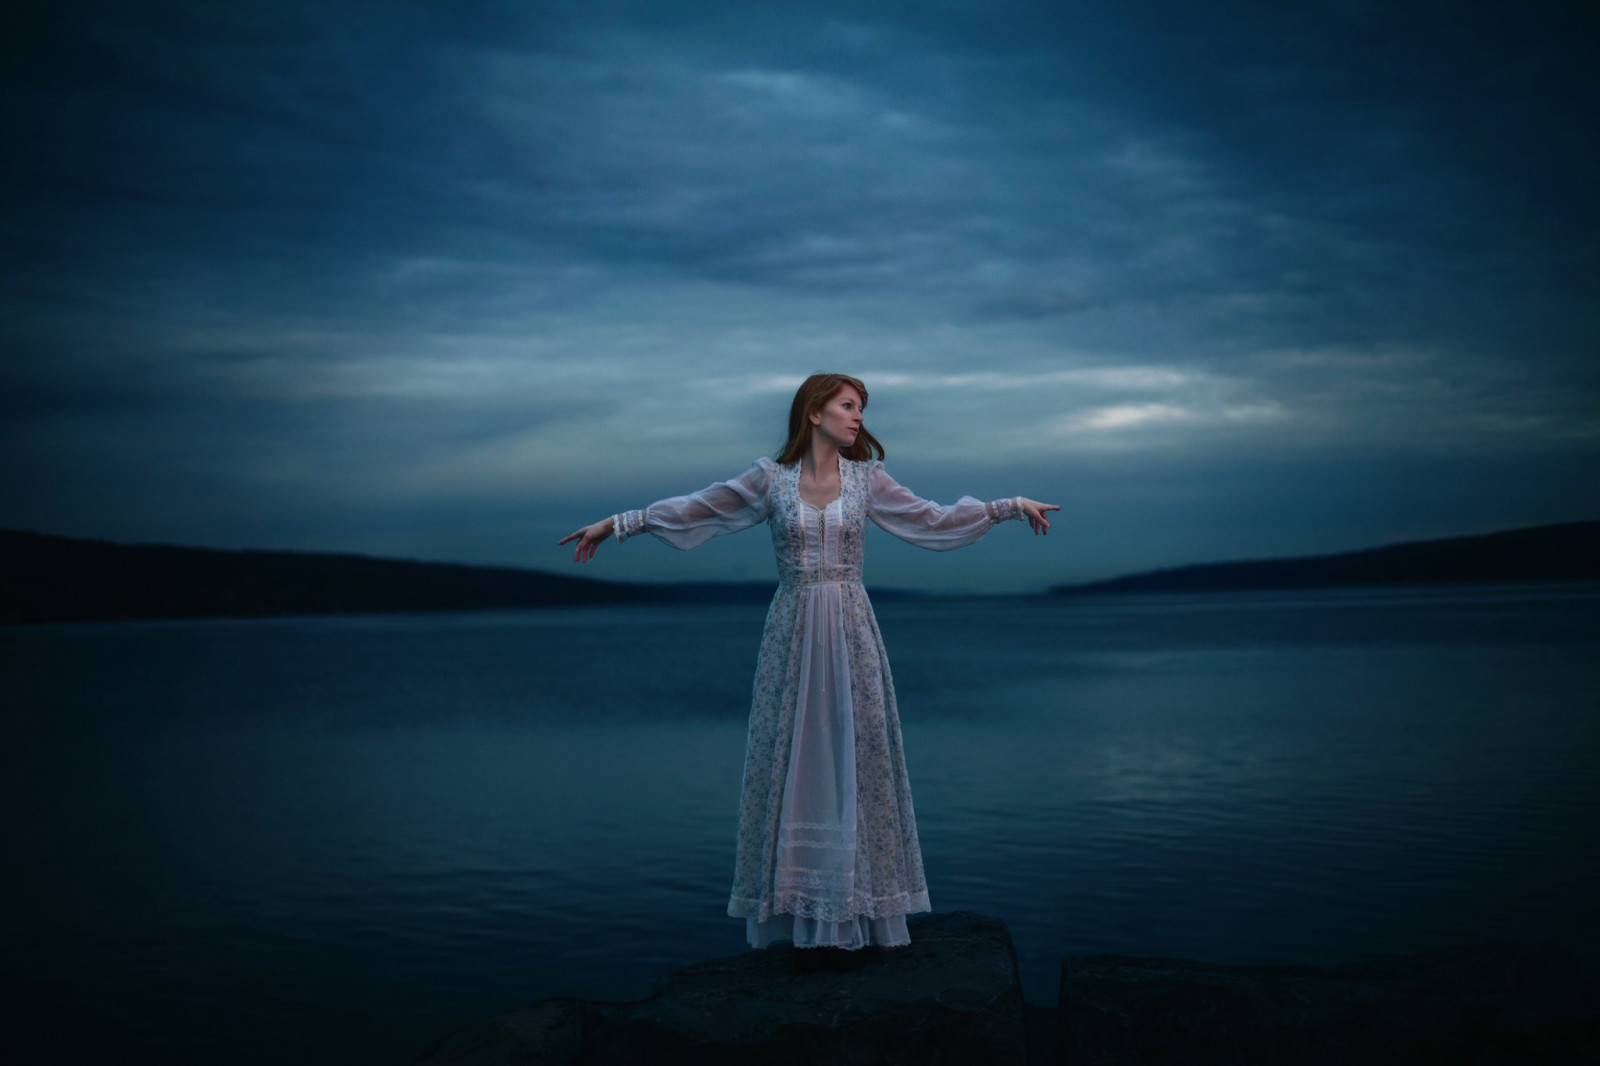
<point x="829" y="910"/>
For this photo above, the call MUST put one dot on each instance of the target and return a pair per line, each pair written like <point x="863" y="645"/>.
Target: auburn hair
<point x="813" y="394"/>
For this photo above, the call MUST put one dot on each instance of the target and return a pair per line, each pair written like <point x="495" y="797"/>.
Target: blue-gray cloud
<point x="397" y="277"/>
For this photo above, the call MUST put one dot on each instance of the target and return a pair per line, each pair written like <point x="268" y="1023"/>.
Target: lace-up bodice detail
<point x="819" y="545"/>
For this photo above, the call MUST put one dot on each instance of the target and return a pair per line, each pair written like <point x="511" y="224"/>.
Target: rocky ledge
<point x="1486" y="1005"/>
<point x="954" y="997"/>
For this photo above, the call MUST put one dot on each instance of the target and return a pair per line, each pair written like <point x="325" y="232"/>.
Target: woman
<point x="827" y="852"/>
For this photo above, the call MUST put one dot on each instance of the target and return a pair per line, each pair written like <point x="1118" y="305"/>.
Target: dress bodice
<point x="805" y="537"/>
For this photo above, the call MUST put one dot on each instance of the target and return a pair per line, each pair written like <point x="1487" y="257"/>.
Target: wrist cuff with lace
<point x="627" y="524"/>
<point x="1004" y="510"/>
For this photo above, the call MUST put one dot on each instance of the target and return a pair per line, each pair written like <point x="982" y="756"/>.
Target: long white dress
<point x="827" y="850"/>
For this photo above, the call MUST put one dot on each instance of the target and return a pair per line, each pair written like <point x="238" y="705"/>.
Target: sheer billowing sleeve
<point x="896" y="509"/>
<point x="689" y="521"/>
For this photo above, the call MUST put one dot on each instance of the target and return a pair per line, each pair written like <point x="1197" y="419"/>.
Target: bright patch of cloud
<point x="1125" y="416"/>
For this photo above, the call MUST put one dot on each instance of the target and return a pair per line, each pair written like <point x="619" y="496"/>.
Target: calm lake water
<point x="335" y="840"/>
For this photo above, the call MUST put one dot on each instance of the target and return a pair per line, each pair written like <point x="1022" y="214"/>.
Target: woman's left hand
<point x="1036" y="517"/>
<point x="590" y="538"/>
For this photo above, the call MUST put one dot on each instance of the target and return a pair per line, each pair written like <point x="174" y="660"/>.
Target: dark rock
<point x="952" y="997"/>
<point x="1040" y="1023"/>
<point x="1490" y="1004"/>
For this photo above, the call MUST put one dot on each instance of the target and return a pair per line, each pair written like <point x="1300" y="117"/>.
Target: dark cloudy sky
<point x="448" y="280"/>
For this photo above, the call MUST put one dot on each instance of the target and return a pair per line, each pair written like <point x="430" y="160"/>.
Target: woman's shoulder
<point x="771" y="471"/>
<point x="862" y="474"/>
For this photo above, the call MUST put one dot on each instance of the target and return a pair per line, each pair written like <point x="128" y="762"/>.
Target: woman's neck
<point x="822" y="456"/>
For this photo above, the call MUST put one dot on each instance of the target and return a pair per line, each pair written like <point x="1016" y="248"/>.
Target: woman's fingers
<point x="588" y="538"/>
<point x="587" y="543"/>
<point x="1036" y="519"/>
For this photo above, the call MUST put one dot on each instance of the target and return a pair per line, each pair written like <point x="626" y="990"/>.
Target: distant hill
<point x="1566" y="551"/>
<point x="60" y="579"/>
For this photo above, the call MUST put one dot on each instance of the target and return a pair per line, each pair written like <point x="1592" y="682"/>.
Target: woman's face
<point x="839" y="420"/>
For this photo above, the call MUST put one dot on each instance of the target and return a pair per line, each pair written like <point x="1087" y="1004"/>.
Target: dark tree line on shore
<point x="58" y="579"/>
<point x="1568" y="551"/>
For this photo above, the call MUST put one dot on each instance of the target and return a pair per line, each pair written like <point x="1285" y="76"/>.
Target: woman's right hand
<point x="589" y="538"/>
<point x="1034" y="511"/>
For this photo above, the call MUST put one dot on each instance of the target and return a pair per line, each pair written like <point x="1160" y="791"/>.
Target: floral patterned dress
<point x="827" y="850"/>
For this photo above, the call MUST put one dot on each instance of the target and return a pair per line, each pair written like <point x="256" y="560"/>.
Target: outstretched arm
<point x="897" y="510"/>
<point x="589" y="538"/>
<point x="686" y="521"/>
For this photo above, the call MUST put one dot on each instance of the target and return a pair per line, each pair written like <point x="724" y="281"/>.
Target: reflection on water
<point x="336" y="839"/>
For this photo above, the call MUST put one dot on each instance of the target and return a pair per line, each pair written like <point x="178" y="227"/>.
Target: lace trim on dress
<point x="627" y="524"/>
<point x="801" y="906"/>
<point x="841" y="574"/>
<point x="806" y="877"/>
<point x="1004" y="510"/>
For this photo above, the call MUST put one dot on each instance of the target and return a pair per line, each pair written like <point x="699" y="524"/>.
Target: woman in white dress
<point x="827" y="851"/>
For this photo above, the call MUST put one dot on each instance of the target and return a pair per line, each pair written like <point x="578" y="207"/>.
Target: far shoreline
<point x="50" y="579"/>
